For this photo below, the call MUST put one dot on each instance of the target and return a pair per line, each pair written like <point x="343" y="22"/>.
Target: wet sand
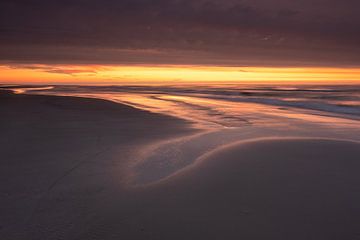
<point x="67" y="165"/>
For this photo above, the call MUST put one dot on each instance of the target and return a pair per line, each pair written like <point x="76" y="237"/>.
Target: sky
<point x="99" y="41"/>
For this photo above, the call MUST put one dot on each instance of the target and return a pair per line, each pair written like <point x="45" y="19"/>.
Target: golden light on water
<point x="98" y="74"/>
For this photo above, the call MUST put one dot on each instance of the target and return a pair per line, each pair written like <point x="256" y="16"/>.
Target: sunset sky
<point x="157" y="41"/>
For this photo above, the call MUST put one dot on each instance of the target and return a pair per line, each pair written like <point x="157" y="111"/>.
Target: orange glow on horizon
<point x="98" y="74"/>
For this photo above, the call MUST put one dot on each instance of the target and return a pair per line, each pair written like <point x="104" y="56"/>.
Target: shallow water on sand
<point x="229" y="113"/>
<point x="230" y="105"/>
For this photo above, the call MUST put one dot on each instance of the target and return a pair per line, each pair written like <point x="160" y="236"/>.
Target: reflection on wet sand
<point x="216" y="113"/>
<point x="223" y="119"/>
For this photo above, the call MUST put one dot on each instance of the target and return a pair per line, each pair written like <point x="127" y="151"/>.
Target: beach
<point x="180" y="120"/>
<point x="88" y="168"/>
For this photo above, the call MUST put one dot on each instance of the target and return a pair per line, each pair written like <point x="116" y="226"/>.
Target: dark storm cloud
<point x="223" y="32"/>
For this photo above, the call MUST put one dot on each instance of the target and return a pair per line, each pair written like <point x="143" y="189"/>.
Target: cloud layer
<point x="217" y="32"/>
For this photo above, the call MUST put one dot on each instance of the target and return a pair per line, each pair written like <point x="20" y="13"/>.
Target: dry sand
<point x="65" y="152"/>
<point x="65" y="163"/>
